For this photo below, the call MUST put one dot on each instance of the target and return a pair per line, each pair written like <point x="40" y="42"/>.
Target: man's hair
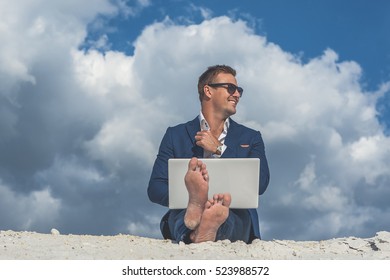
<point x="208" y="76"/>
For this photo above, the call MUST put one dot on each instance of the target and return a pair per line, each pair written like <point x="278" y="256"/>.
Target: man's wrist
<point x="219" y="150"/>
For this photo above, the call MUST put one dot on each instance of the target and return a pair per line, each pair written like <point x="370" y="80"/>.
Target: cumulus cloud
<point x="81" y="128"/>
<point x="26" y="210"/>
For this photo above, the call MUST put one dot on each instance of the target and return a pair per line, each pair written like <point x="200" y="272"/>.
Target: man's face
<point x="222" y="101"/>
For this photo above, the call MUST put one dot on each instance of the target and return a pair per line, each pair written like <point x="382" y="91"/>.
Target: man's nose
<point x="236" y="93"/>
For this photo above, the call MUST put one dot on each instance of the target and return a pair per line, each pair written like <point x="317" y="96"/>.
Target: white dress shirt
<point x="205" y="126"/>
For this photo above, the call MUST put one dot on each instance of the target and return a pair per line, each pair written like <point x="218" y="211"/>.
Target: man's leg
<point x="214" y="215"/>
<point x="182" y="222"/>
<point x="211" y="220"/>
<point x="236" y="227"/>
<point x="179" y="231"/>
<point x="196" y="180"/>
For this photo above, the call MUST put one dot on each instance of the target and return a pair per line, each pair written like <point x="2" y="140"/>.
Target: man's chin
<point x="231" y="112"/>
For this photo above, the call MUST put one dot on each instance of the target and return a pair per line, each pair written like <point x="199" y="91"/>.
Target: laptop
<point x="238" y="176"/>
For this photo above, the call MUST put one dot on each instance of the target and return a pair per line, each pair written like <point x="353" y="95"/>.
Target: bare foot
<point x="196" y="180"/>
<point x="215" y="214"/>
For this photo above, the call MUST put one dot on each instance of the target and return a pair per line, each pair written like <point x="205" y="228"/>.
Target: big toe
<point x="192" y="164"/>
<point x="227" y="199"/>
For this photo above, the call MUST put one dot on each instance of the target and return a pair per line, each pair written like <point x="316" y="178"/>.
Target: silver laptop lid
<point x="238" y="176"/>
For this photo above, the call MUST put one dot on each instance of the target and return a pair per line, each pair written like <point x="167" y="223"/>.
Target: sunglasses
<point x="231" y="88"/>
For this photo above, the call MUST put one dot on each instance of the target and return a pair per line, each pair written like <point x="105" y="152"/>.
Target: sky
<point x="88" y="89"/>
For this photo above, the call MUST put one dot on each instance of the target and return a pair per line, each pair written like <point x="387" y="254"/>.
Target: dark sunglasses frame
<point x="231" y="88"/>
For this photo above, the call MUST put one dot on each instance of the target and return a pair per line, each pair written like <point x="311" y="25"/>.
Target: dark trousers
<point x="236" y="227"/>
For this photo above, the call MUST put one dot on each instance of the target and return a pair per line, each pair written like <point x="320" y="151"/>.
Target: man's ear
<point x="207" y="92"/>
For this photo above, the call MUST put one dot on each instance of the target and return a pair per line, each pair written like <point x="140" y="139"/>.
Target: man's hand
<point x="207" y="141"/>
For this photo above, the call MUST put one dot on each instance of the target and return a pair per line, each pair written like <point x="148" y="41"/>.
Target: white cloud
<point x="28" y="211"/>
<point x="204" y="12"/>
<point x="134" y="10"/>
<point x="106" y="75"/>
<point x="150" y="225"/>
<point x="370" y="156"/>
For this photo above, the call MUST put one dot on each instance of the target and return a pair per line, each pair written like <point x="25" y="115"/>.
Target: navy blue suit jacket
<point x="179" y="142"/>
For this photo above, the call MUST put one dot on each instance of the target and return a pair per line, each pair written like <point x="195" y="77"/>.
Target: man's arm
<point x="258" y="151"/>
<point x="158" y="183"/>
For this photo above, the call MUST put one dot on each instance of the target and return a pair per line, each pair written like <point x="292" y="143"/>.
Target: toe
<point x="192" y="164"/>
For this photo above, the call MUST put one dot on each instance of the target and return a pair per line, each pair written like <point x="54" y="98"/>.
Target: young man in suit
<point x="211" y="134"/>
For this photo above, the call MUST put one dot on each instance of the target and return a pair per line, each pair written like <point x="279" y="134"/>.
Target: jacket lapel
<point x="231" y="140"/>
<point x="192" y="128"/>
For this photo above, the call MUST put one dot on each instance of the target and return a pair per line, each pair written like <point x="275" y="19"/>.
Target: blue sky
<point x="88" y="89"/>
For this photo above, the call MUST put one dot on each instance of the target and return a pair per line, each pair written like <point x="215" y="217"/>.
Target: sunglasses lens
<point x="232" y="89"/>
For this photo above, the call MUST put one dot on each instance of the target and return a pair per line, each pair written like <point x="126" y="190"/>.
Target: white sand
<point x="32" y="246"/>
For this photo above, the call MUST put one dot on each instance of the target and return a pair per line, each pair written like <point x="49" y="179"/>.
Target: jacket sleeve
<point x="158" y="183"/>
<point x="258" y="151"/>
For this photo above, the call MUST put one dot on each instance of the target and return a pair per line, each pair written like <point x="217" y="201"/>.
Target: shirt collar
<point x="205" y="126"/>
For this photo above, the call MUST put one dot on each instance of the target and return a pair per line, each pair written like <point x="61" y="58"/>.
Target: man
<point x="211" y="134"/>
